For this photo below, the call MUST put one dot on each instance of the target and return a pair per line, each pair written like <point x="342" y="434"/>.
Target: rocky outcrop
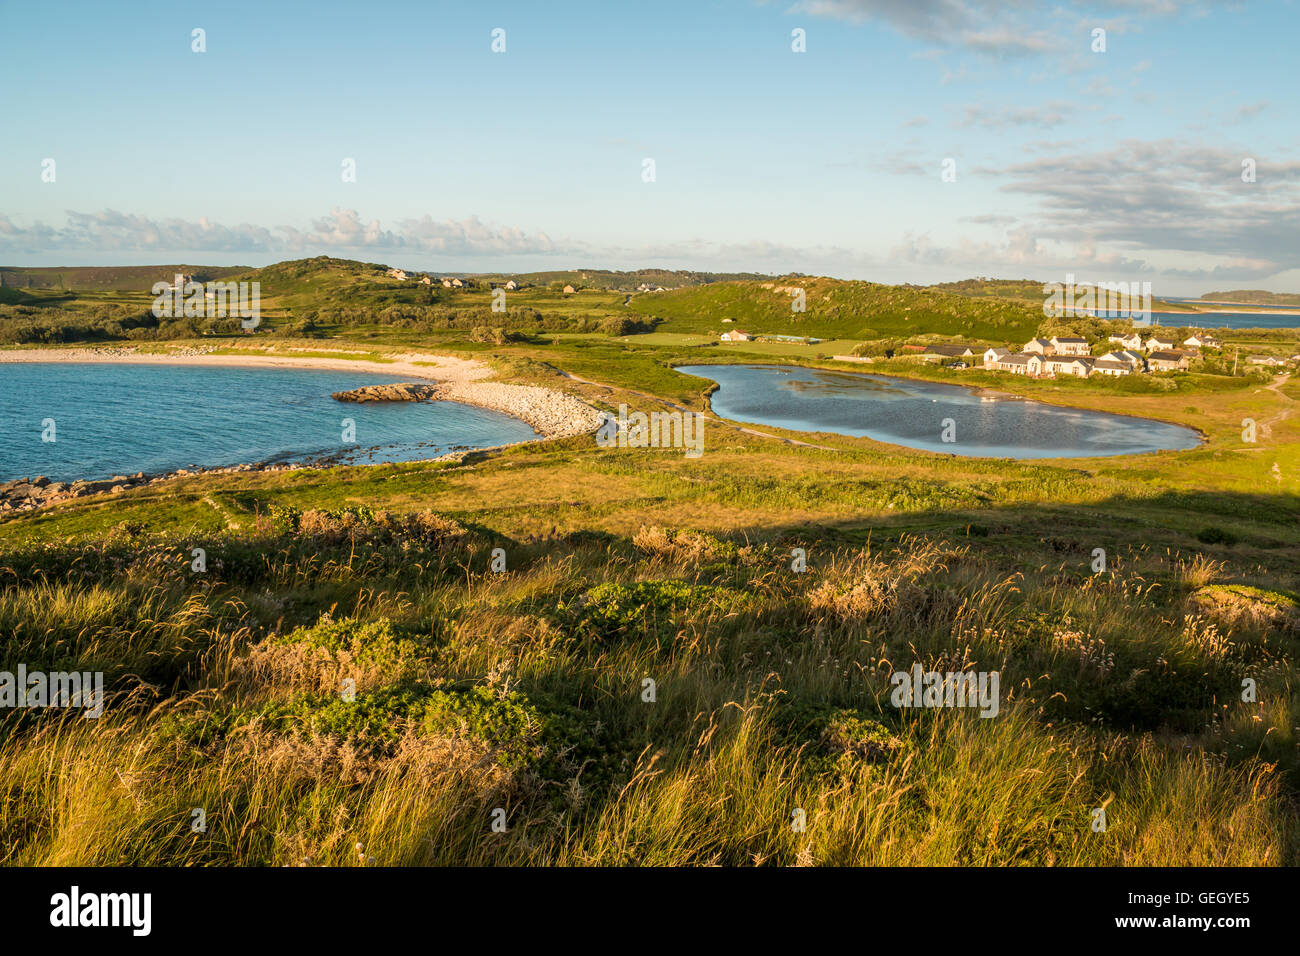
<point x="400" y="392"/>
<point x="28" y="494"/>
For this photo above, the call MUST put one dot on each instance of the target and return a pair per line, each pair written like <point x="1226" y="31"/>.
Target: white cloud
<point x="341" y="230"/>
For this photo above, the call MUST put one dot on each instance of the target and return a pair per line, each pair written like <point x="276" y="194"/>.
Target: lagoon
<point x="119" y="419"/>
<point x="915" y="414"/>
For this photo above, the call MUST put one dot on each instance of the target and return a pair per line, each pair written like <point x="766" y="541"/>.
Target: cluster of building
<point x="1070" y="355"/>
<point x="455" y="283"/>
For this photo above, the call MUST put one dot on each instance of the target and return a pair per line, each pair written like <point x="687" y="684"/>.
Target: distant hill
<point x="837" y="308"/>
<point x="1028" y="291"/>
<point x="324" y="282"/>
<point x="1254" y="297"/>
<point x="106" y="278"/>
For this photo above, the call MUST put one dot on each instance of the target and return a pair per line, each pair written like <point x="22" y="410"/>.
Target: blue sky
<point x="1112" y="165"/>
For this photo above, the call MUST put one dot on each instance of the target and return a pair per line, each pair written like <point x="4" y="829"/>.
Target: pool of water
<point x="923" y="414"/>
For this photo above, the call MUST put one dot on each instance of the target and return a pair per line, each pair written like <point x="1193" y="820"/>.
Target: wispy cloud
<point x="342" y="229"/>
<point x="1050" y="114"/>
<point x="996" y="28"/>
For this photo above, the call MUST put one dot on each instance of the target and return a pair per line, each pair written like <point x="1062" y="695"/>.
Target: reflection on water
<point x="915" y="414"/>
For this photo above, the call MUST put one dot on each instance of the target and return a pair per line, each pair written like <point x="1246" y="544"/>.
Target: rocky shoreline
<point x="551" y="414"/>
<point x="28" y="494"/>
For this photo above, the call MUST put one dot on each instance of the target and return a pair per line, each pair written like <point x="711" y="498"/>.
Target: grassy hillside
<point x="842" y="309"/>
<point x="297" y="285"/>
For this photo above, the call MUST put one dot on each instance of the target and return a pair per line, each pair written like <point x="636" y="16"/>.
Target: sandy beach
<point x="444" y="369"/>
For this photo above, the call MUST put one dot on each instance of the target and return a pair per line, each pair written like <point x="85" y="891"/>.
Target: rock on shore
<point x="552" y="414"/>
<point x="401" y="392"/>
<point x="28" y="494"/>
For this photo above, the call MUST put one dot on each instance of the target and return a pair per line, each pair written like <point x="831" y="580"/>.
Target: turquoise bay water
<point x="911" y="413"/>
<point x="121" y="419"/>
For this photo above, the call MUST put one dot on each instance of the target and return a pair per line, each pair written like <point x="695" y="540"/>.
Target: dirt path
<point x="683" y="408"/>
<point x="1276" y="387"/>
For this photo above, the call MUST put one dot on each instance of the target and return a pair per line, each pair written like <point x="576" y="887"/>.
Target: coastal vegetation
<point x="644" y="675"/>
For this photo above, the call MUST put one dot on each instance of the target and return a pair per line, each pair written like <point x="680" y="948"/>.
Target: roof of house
<point x="1022" y="358"/>
<point x="1167" y="356"/>
<point x="1073" y="339"/>
<point x="1112" y="363"/>
<point x="953" y="350"/>
<point x="1040" y="341"/>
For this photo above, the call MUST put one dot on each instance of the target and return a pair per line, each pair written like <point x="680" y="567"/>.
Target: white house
<point x="736" y="335"/>
<point x="1136" y="359"/>
<point x="994" y="355"/>
<point x="1041" y="346"/>
<point x="569" y="290"/>
<point x="1106" y="366"/>
<point x="512" y="284"/>
<point x="1202" y="342"/>
<point x="446" y="283"/>
<point x="1022" y="363"/>
<point x="1130" y="341"/>
<point x="1133" y="361"/>
<point x="1067" y="365"/>
<point x="1070" y="345"/>
<point x="1159" y="343"/>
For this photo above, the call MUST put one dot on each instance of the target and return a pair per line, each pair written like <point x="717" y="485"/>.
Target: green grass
<point x="468" y="692"/>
